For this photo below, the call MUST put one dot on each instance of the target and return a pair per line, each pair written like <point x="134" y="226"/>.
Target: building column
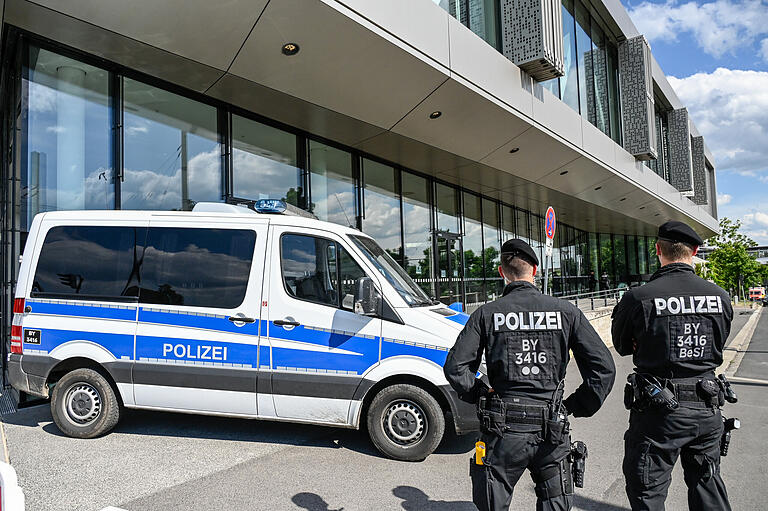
<point x="70" y="139"/>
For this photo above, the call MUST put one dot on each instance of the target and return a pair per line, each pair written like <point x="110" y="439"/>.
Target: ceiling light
<point x="435" y="114"/>
<point x="623" y="199"/>
<point x="597" y="188"/>
<point x="290" y="49"/>
<point x="514" y="150"/>
<point x="642" y="207"/>
<point x="563" y="172"/>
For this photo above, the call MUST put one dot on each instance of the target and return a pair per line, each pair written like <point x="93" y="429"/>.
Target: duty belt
<point x="518" y="413"/>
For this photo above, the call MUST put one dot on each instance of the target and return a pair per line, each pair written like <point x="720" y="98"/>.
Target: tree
<point x="729" y="264"/>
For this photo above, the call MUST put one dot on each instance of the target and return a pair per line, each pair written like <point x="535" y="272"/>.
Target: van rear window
<point x="161" y="265"/>
<point x="90" y="262"/>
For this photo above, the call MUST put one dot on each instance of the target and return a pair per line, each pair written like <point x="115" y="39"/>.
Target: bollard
<point x="11" y="495"/>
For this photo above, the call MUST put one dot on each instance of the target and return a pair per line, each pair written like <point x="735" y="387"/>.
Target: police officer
<point x="526" y="338"/>
<point x="674" y="327"/>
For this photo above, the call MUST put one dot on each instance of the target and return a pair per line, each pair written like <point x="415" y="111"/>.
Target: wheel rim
<point x="82" y="404"/>
<point x="404" y="422"/>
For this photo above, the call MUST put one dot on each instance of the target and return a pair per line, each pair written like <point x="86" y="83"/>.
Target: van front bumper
<point x="22" y="381"/>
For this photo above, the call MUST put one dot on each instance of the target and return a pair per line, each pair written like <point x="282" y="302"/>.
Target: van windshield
<point x="393" y="272"/>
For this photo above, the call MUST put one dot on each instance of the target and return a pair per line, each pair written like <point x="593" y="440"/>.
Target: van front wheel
<point x="405" y="422"/>
<point x="84" y="404"/>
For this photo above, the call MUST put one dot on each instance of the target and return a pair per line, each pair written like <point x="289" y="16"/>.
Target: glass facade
<point x="172" y="158"/>
<point x="95" y="138"/>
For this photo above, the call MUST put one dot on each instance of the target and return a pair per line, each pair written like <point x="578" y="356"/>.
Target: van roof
<point x="195" y="217"/>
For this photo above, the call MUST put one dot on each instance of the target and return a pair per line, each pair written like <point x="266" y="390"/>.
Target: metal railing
<point x="596" y="299"/>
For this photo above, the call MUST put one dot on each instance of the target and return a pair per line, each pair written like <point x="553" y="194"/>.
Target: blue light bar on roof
<point x="270" y="206"/>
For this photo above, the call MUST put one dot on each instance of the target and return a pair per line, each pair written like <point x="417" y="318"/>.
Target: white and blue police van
<point x="231" y="311"/>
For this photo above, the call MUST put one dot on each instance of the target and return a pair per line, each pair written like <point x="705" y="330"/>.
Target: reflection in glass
<point x="642" y="255"/>
<point x="507" y="223"/>
<point x="653" y="258"/>
<point x="264" y="162"/>
<point x="447" y="206"/>
<point x="172" y="155"/>
<point x="597" y="81"/>
<point x="632" y="255"/>
<point x="594" y="259"/>
<point x="620" y="258"/>
<point x="332" y="184"/>
<point x="417" y="231"/>
<point x="613" y="92"/>
<point x="607" y="273"/>
<point x="569" y="85"/>
<point x="67" y="113"/>
<point x="494" y="284"/>
<point x="474" y="271"/>
<point x="381" y="214"/>
<point x="479" y="15"/>
<point x="583" y="51"/>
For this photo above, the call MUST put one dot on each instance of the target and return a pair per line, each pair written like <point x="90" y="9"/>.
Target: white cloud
<point x="730" y="109"/>
<point x="764" y="49"/>
<point x="718" y="27"/>
<point x="756" y="219"/>
<point x="723" y="199"/>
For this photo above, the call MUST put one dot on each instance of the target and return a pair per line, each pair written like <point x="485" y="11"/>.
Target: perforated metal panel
<point x="679" y="139"/>
<point x="637" y="98"/>
<point x="532" y="34"/>
<point x="700" y="184"/>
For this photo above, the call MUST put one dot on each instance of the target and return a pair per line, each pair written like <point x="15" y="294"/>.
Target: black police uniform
<point x="526" y="338"/>
<point x="675" y="327"/>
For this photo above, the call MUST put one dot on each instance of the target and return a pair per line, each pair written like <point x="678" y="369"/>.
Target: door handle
<point x="286" y="322"/>
<point x="241" y="319"/>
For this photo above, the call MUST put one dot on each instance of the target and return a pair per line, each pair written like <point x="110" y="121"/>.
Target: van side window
<point x="196" y="267"/>
<point x="89" y="262"/>
<point x="313" y="267"/>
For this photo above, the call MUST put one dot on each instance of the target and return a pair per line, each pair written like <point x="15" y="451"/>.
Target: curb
<point x="734" y="352"/>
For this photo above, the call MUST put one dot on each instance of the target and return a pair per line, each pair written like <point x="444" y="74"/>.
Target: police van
<point x="231" y="311"/>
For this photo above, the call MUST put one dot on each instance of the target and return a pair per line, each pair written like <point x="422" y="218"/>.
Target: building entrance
<point x="449" y="282"/>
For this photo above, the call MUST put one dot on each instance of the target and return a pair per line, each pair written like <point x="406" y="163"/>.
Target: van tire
<point x="420" y="427"/>
<point x="84" y="404"/>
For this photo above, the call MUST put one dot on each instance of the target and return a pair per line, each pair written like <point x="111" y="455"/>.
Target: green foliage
<point x="729" y="265"/>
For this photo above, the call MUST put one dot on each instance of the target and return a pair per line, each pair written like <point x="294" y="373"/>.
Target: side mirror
<point x="367" y="297"/>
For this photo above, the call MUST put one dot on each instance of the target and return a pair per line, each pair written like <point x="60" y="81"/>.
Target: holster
<point x="557" y="431"/>
<point x="492" y="412"/>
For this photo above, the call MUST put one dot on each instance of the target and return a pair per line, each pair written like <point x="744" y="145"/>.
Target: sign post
<point x="549" y="230"/>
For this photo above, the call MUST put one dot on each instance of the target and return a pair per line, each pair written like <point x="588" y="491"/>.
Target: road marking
<point x="734" y="353"/>
<point x="112" y="508"/>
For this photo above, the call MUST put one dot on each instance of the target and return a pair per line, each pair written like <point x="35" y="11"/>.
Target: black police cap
<point x="520" y="248"/>
<point x="675" y="231"/>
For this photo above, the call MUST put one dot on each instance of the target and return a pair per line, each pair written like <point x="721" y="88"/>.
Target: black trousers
<point x="653" y="443"/>
<point x="506" y="459"/>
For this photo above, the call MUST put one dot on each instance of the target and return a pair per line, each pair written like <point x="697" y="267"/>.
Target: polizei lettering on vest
<point x="551" y="320"/>
<point x="688" y="305"/>
<point x="195" y="352"/>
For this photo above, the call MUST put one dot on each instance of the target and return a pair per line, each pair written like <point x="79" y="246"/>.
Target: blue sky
<point x="715" y="54"/>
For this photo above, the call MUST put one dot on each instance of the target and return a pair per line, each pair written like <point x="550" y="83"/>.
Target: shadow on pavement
<point x="153" y="423"/>
<point x="595" y="505"/>
<point x="312" y="502"/>
<point x="415" y="499"/>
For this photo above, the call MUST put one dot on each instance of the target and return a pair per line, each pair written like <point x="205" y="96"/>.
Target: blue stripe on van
<point x="173" y="318"/>
<point x="120" y="345"/>
<point x="84" y="310"/>
<point x="459" y="318"/>
<point x="393" y="349"/>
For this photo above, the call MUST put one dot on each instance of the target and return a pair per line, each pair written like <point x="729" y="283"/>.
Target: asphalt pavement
<point x="163" y="461"/>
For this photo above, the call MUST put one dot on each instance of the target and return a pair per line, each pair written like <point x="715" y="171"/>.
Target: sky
<point x="715" y="55"/>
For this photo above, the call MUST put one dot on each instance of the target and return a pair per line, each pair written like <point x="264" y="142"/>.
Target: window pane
<point x="583" y="51"/>
<point x="89" y="262"/>
<point x="447" y="209"/>
<point x="382" y="207"/>
<point x="416" y="226"/>
<point x="598" y="80"/>
<point x="264" y="162"/>
<point x="594" y="258"/>
<point x="309" y="268"/>
<point x="494" y="284"/>
<point x="607" y="273"/>
<point x="350" y="272"/>
<point x="67" y="112"/>
<point x="474" y="272"/>
<point x="196" y="267"/>
<point x="642" y="255"/>
<point x="613" y="92"/>
<point x="508" y="223"/>
<point x="172" y="156"/>
<point x="553" y="86"/>
<point x="333" y="184"/>
<point x="483" y="20"/>
<point x="620" y="258"/>
<point x="569" y="87"/>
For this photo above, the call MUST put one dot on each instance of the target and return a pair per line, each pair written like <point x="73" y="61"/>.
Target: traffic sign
<point x="549" y="223"/>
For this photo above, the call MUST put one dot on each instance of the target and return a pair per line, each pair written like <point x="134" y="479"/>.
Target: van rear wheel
<point x="84" y="404"/>
<point x="405" y="422"/>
